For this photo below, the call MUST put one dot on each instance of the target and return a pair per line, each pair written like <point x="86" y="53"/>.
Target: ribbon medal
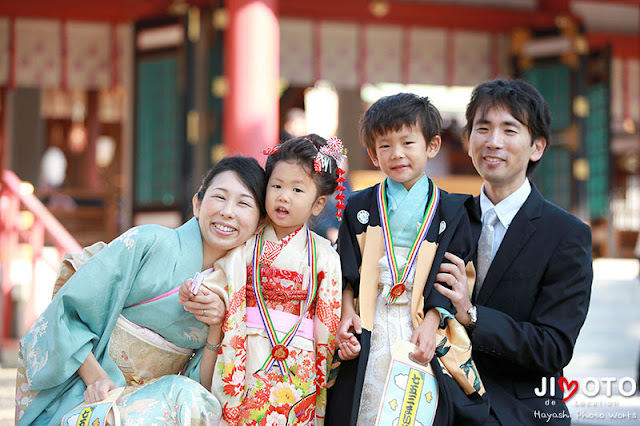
<point x="398" y="278"/>
<point x="280" y="351"/>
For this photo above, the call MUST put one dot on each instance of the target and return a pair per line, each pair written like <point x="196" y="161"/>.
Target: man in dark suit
<point x="533" y="265"/>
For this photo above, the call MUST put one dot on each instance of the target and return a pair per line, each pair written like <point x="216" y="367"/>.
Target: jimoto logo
<point x="589" y="387"/>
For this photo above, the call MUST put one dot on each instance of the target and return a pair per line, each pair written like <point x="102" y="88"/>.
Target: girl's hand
<point x="184" y="294"/>
<point x="98" y="390"/>
<point x="349" y="349"/>
<point x="346" y="341"/>
<point x="207" y="306"/>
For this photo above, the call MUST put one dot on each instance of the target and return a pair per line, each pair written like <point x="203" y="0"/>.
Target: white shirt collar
<point x="506" y="209"/>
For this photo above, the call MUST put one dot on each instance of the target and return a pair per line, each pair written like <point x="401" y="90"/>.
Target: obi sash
<point x="142" y="354"/>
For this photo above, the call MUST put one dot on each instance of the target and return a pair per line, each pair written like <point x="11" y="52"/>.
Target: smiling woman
<point x="117" y="322"/>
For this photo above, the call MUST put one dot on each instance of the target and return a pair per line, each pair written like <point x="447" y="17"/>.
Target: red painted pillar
<point x="252" y="67"/>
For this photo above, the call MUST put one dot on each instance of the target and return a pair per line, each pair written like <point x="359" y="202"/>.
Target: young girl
<point x="280" y="325"/>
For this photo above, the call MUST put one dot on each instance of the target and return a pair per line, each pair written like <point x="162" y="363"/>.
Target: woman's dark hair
<point x="303" y="151"/>
<point x="392" y="113"/>
<point x="248" y="171"/>
<point x="522" y="100"/>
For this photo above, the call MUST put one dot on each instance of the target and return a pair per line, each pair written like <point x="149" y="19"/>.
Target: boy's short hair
<point x="522" y="100"/>
<point x="392" y="113"/>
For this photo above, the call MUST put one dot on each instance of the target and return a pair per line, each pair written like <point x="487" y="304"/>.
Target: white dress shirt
<point x="505" y="210"/>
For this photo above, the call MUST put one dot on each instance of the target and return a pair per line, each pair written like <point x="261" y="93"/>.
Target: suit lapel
<point x="517" y="236"/>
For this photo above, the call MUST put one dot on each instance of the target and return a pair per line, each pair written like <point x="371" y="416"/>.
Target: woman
<point x="117" y="321"/>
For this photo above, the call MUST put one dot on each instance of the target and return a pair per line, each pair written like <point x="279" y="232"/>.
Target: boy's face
<point x="403" y="155"/>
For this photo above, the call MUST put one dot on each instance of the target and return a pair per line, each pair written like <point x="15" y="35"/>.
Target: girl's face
<point x="291" y="198"/>
<point x="228" y="215"/>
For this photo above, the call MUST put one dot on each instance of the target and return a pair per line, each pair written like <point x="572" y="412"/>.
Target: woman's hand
<point x="98" y="390"/>
<point x="98" y="382"/>
<point x="207" y="306"/>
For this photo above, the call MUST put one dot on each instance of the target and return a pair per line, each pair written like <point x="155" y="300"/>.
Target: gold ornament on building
<point x="519" y="37"/>
<point x="220" y="19"/>
<point x="193" y="129"/>
<point x="193" y="24"/>
<point x="219" y="87"/>
<point x="218" y="152"/>
<point x="580" y="106"/>
<point x="581" y="169"/>
<point x="379" y="9"/>
<point x="571" y="59"/>
<point x="581" y="45"/>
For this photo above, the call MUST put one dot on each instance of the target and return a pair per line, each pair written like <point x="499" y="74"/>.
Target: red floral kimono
<point x="248" y="393"/>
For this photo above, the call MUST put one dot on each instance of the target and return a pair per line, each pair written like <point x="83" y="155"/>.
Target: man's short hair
<point x="522" y="100"/>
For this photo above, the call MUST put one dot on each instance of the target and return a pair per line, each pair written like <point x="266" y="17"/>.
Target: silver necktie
<point x="485" y="248"/>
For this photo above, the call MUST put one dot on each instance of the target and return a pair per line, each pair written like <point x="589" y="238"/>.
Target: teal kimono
<point x="142" y="264"/>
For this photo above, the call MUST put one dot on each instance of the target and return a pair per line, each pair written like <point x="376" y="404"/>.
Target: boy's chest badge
<point x="363" y="217"/>
<point x="443" y="226"/>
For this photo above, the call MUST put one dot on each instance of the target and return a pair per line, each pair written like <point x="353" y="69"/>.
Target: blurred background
<point x="112" y="110"/>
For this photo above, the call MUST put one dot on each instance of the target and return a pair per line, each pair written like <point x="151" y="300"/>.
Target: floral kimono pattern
<point x="249" y="394"/>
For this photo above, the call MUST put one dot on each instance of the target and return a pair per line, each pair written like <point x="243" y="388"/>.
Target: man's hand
<point x="455" y="275"/>
<point x="425" y="337"/>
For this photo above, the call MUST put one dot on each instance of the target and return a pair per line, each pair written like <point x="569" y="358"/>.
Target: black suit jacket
<point x="531" y="307"/>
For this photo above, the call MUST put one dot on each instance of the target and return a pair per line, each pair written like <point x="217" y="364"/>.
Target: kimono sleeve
<point x="328" y="307"/>
<point x="349" y="251"/>
<point x="229" y="276"/>
<point x="461" y="244"/>
<point x="81" y="317"/>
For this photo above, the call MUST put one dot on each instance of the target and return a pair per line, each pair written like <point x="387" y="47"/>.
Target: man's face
<point x="500" y="148"/>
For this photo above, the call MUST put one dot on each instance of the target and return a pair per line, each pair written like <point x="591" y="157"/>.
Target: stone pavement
<point x="608" y="349"/>
<point x="7" y="391"/>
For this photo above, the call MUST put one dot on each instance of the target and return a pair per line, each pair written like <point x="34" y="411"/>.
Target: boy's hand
<point x="348" y="344"/>
<point x="425" y="337"/>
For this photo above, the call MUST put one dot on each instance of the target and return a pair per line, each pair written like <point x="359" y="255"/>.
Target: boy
<point x="405" y="220"/>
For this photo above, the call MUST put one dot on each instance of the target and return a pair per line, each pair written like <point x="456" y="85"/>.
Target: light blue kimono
<point x="143" y="263"/>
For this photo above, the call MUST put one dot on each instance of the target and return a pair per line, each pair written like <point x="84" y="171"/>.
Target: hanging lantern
<point x="77" y="138"/>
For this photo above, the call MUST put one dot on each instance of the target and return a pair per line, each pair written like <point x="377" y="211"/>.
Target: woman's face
<point x="228" y="214"/>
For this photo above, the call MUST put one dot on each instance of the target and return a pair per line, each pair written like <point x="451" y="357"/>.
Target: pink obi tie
<point x="282" y="321"/>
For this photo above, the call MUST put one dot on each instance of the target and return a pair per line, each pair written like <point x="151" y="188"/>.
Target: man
<point x="534" y="266"/>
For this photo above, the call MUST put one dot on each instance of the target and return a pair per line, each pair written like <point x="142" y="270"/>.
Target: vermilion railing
<point x="16" y="197"/>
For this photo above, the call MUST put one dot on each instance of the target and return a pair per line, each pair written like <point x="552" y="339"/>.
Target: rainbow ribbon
<point x="262" y="306"/>
<point x="432" y="207"/>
